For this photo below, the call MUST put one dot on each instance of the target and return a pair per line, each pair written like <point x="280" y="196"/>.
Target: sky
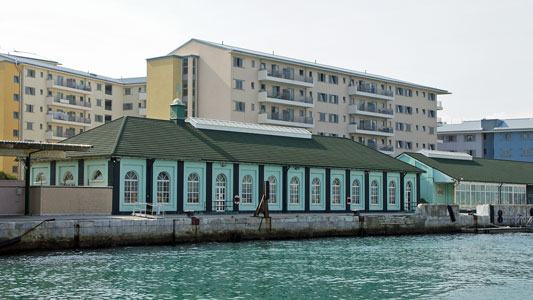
<point x="480" y="51"/>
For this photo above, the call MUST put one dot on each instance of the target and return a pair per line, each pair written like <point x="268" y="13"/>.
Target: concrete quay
<point x="109" y="231"/>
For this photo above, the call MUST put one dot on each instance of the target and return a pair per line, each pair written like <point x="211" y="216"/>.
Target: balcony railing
<point x="374" y="109"/>
<point x="439" y="105"/>
<point x="374" y="127"/>
<point x="287" y="117"/>
<point x="288" y="97"/>
<point x="61" y="134"/>
<point x="71" y="102"/>
<point x="387" y="148"/>
<point x="372" y="89"/>
<point x="68" y="118"/>
<point x="72" y="85"/>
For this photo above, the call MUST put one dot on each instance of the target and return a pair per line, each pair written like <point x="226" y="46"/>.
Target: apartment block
<point x="509" y="139"/>
<point x="46" y="102"/>
<point x="218" y="81"/>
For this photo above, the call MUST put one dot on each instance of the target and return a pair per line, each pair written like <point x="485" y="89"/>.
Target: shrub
<point x="5" y="176"/>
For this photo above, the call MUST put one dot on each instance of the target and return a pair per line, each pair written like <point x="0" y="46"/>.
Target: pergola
<point x="37" y="150"/>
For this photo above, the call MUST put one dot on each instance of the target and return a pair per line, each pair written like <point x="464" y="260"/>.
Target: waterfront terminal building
<point x="459" y="178"/>
<point x="509" y="139"/>
<point x="201" y="165"/>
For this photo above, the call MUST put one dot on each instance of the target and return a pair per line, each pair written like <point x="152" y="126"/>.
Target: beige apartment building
<point x="44" y="101"/>
<point x="218" y="81"/>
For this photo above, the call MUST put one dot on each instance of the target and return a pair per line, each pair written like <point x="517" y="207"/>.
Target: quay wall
<point x="109" y="232"/>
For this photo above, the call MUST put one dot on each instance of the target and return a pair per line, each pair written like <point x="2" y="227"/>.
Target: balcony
<point x="370" y="91"/>
<point x="58" y="135"/>
<point x="63" y="118"/>
<point x="142" y="111"/>
<point x="370" y="129"/>
<point x="285" y="77"/>
<point x="70" y="103"/>
<point x="372" y="111"/>
<point x="440" y="122"/>
<point x="68" y="86"/>
<point x="142" y="96"/>
<point x="389" y="150"/>
<point x="285" y="119"/>
<point x="439" y="105"/>
<point x="285" y="98"/>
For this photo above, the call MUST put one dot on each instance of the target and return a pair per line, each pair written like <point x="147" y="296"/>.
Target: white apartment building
<point x="237" y="84"/>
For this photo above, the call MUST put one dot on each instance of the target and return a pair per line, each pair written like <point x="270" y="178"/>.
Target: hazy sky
<point x="481" y="51"/>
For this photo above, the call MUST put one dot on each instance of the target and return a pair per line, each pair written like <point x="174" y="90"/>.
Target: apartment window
<point x="322" y="117"/>
<point x="423" y="111"/>
<point x="107" y="118"/>
<point x="253" y="63"/>
<point x="239" y="106"/>
<point x="431" y="130"/>
<point x="16" y="97"/>
<point x="15" y="133"/>
<point x="399" y="108"/>
<point x="526" y="151"/>
<point x="127" y="91"/>
<point x="98" y="86"/>
<point x="29" y="107"/>
<point x="16" y="115"/>
<point x="108" y="104"/>
<point x="524" y="136"/>
<point x="322" y="97"/>
<point x="432" y="147"/>
<point x="409" y="93"/>
<point x="30" y="73"/>
<point x="431" y="97"/>
<point x="424" y="94"/>
<point x="506" y="152"/>
<point x="507" y="136"/>
<point x="238" y="84"/>
<point x="469" y="138"/>
<point x="321" y="77"/>
<point x="408" y="127"/>
<point x="333" y="79"/>
<point x="431" y="114"/>
<point x="334" y="99"/>
<point x="399" y="126"/>
<point x="450" y="138"/>
<point x="41" y="126"/>
<point x="108" y="89"/>
<point x="409" y="145"/>
<point x="409" y="110"/>
<point x="252" y="85"/>
<point x="16" y="79"/>
<point x="98" y="118"/>
<point x="333" y="118"/>
<point x="333" y="135"/>
<point x="29" y="91"/>
<point x="399" y="91"/>
<point x="471" y="152"/>
<point x="29" y="125"/>
<point x="98" y="102"/>
<point x="127" y="106"/>
<point x="238" y="62"/>
<point x="417" y="93"/>
<point x="399" y="144"/>
<point x="424" y="128"/>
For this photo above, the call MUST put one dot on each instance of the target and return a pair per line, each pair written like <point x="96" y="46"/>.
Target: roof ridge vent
<point x="445" y="154"/>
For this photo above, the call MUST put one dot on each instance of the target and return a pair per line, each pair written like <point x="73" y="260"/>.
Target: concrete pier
<point x="108" y="231"/>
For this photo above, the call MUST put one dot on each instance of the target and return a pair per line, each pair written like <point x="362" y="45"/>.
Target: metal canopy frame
<point x="25" y="151"/>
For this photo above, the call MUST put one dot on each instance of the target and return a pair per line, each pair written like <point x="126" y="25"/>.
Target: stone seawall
<point x="121" y="231"/>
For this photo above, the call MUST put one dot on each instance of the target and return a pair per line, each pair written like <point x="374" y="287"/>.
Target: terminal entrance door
<point x="220" y="193"/>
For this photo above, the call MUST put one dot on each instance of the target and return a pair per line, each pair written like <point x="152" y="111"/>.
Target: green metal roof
<point x="480" y="169"/>
<point x="162" y="139"/>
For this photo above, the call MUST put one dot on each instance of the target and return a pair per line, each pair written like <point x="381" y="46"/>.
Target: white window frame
<point x="374" y="192"/>
<point x="131" y="187"/>
<point x="336" y="191"/>
<point x="294" y="190"/>
<point x="163" y="187"/>
<point x="315" y="191"/>
<point x="246" y="189"/>
<point x="193" y="188"/>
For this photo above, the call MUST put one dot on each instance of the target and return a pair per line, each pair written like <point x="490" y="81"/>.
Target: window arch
<point x="315" y="191"/>
<point x="294" y="193"/>
<point x="356" y="192"/>
<point x="336" y="191"/>
<point x="374" y="192"/>
<point x="68" y="179"/>
<point x="193" y="188"/>
<point x="163" y="187"/>
<point x="273" y="189"/>
<point x="41" y="178"/>
<point x="97" y="176"/>
<point x="220" y="192"/>
<point x="392" y="193"/>
<point x="408" y="196"/>
<point x="247" y="188"/>
<point x="131" y="187"/>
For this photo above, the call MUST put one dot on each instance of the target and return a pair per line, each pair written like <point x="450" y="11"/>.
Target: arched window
<point x="131" y="187"/>
<point x="294" y="193"/>
<point x="41" y="178"/>
<point x="392" y="193"/>
<point x="273" y="190"/>
<point x="374" y="192"/>
<point x="193" y="188"/>
<point x="97" y="176"/>
<point x="247" y="186"/>
<point x="163" y="188"/>
<point x="220" y="193"/>
<point x="315" y="191"/>
<point x="336" y="191"/>
<point x="408" y="196"/>
<point x="356" y="192"/>
<point x="68" y="179"/>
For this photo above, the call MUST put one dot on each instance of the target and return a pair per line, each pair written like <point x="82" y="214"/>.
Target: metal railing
<point x="143" y="209"/>
<point x="367" y="108"/>
<point x="72" y="85"/>
<point x="288" y="97"/>
<point x="62" y="134"/>
<point x="288" y="118"/>
<point x="66" y="117"/>
<point x="72" y="102"/>
<point x="288" y="75"/>
<point x="374" y="127"/>
<point x="366" y="88"/>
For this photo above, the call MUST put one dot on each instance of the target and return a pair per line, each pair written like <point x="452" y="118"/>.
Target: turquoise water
<point x="432" y="266"/>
